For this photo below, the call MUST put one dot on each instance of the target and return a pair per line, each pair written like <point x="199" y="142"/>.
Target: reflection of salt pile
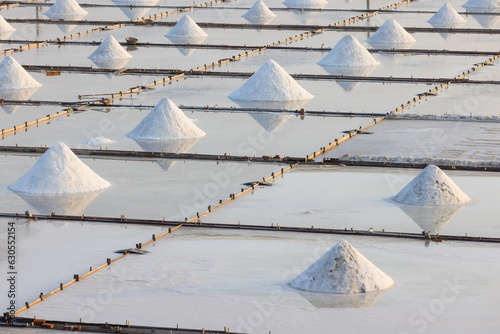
<point x="165" y="122"/>
<point x="64" y="9"/>
<point x="14" y="76"/>
<point x="186" y="27"/>
<point x="5" y="26"/>
<point x="186" y="51"/>
<point x="259" y="13"/>
<point x="391" y="34"/>
<point x="487" y="4"/>
<point x="321" y="300"/>
<point x="270" y="122"/>
<point x="169" y="146"/>
<point x="432" y="187"/>
<point x="446" y="17"/>
<point x="16" y="95"/>
<point x="132" y="12"/>
<point x="98" y="141"/>
<point x="358" y="71"/>
<point x="431" y="219"/>
<point x="348" y="52"/>
<point x="486" y="21"/>
<point x="67" y="28"/>
<point x="110" y="54"/>
<point x="270" y="83"/>
<point x="59" y="171"/>
<point x="67" y="204"/>
<point x="342" y="270"/>
<point x="316" y="4"/>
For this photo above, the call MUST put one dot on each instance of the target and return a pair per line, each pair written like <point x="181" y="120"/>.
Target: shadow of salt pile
<point x="17" y="95"/>
<point x="169" y="146"/>
<point x="134" y="13"/>
<point x="68" y="204"/>
<point x="365" y="300"/>
<point x="431" y="219"/>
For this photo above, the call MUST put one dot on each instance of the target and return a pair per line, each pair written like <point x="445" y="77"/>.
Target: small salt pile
<point x="446" y="17"/>
<point x="391" y="33"/>
<point x="270" y="83"/>
<point x="14" y="76"/>
<point x="258" y="10"/>
<point x="5" y="26"/>
<point x="348" y="52"/>
<point x="165" y="122"/>
<point x="186" y="27"/>
<point x="110" y="49"/>
<point x="307" y="4"/>
<point x="65" y="8"/>
<point x="484" y="4"/>
<point x="342" y="270"/>
<point x="432" y="187"/>
<point x="59" y="171"/>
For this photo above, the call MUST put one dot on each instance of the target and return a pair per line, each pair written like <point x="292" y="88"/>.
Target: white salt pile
<point x="14" y="76"/>
<point x="270" y="83"/>
<point x="391" y="33"/>
<point x="342" y="270"/>
<point x="432" y="187"/>
<point x="59" y="171"/>
<point x="98" y="141"/>
<point x="165" y="122"/>
<point x="5" y="26"/>
<point x="348" y="52"/>
<point x="110" y="49"/>
<point x="308" y="4"/>
<point x="486" y="4"/>
<point x="258" y="10"/>
<point x="65" y="8"/>
<point x="446" y="17"/>
<point x="186" y="27"/>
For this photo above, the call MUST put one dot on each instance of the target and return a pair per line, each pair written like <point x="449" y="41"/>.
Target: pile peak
<point x="342" y="270"/>
<point x="186" y="27"/>
<point x="432" y="187"/>
<point x="485" y="4"/>
<point x="65" y="8"/>
<point x="348" y="52"/>
<point x="165" y="122"/>
<point x="258" y="10"/>
<point x="309" y="4"/>
<point x="14" y="76"/>
<point x="110" y="49"/>
<point x="391" y="33"/>
<point x="446" y="17"/>
<point x="270" y="83"/>
<point x="5" y="26"/>
<point x="59" y="171"/>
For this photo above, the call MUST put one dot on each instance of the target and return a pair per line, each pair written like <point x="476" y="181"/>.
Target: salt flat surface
<point x="238" y="280"/>
<point x="342" y="198"/>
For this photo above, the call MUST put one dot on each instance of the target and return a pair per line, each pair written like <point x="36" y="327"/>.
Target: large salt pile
<point x="489" y="4"/>
<point x="5" y="26"/>
<point x="59" y="171"/>
<point x="342" y="270"/>
<point x="348" y="52"/>
<point x="110" y="49"/>
<point x="432" y="187"/>
<point x="14" y="76"/>
<point x="446" y="17"/>
<point x="65" y="8"/>
<point x="165" y="122"/>
<point x="186" y="27"/>
<point x="391" y="33"/>
<point x="308" y="4"/>
<point x="270" y="83"/>
<point x="259" y="13"/>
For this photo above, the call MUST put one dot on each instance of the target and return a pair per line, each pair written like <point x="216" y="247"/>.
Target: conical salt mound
<point x="308" y="4"/>
<point x="432" y="187"/>
<point x="348" y="52"/>
<point x="110" y="49"/>
<point x="5" y="26"/>
<point x="391" y="32"/>
<point x="482" y="4"/>
<point x="62" y="8"/>
<point x="14" y="76"/>
<point x="258" y="10"/>
<point x="165" y="122"/>
<point x="186" y="27"/>
<point x="270" y="83"/>
<point x="59" y="171"/>
<point x="342" y="270"/>
<point x="446" y="17"/>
